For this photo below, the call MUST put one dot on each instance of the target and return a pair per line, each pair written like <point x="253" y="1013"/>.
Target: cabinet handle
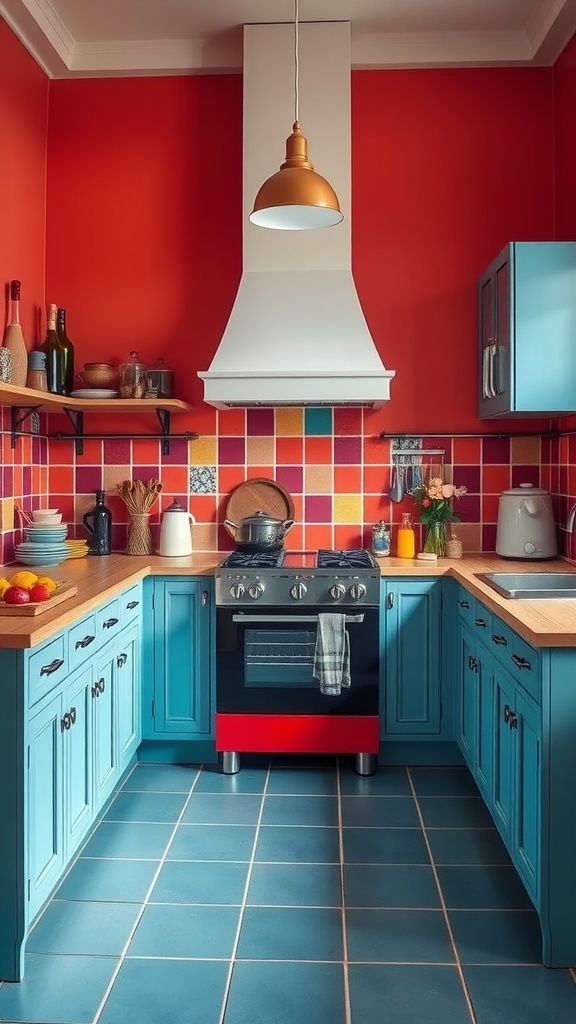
<point x="101" y="685"/>
<point x="481" y="623"/>
<point x="463" y="604"/>
<point x="73" y="716"/>
<point x="109" y="623"/>
<point x="521" y="662"/>
<point x="47" y="670"/>
<point x="507" y="713"/>
<point x="390" y="600"/>
<point x="499" y="640"/>
<point x="95" y="690"/>
<point x="472" y="663"/>
<point x="132" y="604"/>
<point x="513" y="720"/>
<point x="204" y="598"/>
<point x="85" y="642"/>
<point x="65" y="722"/>
<point x="121" y="660"/>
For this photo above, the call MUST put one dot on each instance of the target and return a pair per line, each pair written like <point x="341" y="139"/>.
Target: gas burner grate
<point x="354" y="558"/>
<point x="253" y="559"/>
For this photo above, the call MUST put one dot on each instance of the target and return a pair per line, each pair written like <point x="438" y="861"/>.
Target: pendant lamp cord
<point x="296" y="67"/>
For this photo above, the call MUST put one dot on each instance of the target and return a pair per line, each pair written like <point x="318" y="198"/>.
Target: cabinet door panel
<point x="503" y="789"/>
<point x="412" y="658"/>
<point x="182" y="636"/>
<point x="45" y="817"/>
<point x="104" y="731"/>
<point x="468" y="696"/>
<point x="485" y="733"/>
<point x="527" y="821"/>
<point x="78" y="747"/>
<point x="127" y="694"/>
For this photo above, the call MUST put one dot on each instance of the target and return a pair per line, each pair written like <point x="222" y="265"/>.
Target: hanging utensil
<point x="397" y="488"/>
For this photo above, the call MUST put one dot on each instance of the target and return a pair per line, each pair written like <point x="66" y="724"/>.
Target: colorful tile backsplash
<point x="337" y="473"/>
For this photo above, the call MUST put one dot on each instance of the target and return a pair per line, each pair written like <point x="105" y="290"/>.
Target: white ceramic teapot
<point x="175" y="532"/>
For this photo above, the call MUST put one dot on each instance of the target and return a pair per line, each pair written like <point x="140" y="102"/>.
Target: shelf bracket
<point x="76" y="418"/>
<point x="17" y="416"/>
<point x="164" y="420"/>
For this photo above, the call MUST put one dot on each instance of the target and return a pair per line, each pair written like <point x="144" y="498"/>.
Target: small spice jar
<point x="380" y="540"/>
<point x="37" y="377"/>
<point x="133" y="377"/>
<point x="453" y="546"/>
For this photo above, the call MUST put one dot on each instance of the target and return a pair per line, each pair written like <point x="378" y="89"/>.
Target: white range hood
<point x="297" y="334"/>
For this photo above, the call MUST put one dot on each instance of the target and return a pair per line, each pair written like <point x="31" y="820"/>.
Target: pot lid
<point x="175" y="507"/>
<point x="261" y="519"/>
<point x="525" y="491"/>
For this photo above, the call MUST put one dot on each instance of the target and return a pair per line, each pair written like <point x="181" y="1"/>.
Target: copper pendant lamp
<point x="296" y="198"/>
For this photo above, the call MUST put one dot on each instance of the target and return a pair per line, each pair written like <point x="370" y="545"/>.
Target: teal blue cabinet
<point x="105" y="723"/>
<point x="527" y="319"/>
<point x="410" y="664"/>
<point x="128" y="693"/>
<point x="179" y="659"/>
<point x="45" y="810"/>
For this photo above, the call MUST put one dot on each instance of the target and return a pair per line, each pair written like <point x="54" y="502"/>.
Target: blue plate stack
<point x="44" y="545"/>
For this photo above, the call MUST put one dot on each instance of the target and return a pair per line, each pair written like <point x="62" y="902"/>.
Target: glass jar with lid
<point x="160" y="380"/>
<point x="133" y="377"/>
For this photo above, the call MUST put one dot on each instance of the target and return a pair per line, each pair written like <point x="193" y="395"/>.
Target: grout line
<point x="467" y="996"/>
<point x="233" y="957"/>
<point x="144" y="903"/>
<point x="347" y="1002"/>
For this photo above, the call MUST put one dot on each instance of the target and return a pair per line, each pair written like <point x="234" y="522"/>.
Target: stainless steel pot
<point x="260" y="532"/>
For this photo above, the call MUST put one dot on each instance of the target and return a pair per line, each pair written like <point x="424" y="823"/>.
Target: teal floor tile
<point x="521" y="995"/>
<point x="482" y="888"/>
<point x="298" y="843"/>
<point x="131" y="840"/>
<point x="249" y="780"/>
<point x="200" y="882"/>
<point x="291" y="933"/>
<point x="497" y="936"/>
<point x="398" y="936"/>
<point x="390" y="885"/>
<point x="108" y="881"/>
<point x="223" y="808"/>
<point x="212" y="842"/>
<point x="57" y="990"/>
<point x="379" y="812"/>
<point x="82" y="928"/>
<point x="467" y="846"/>
<point x="443" y="782"/>
<point x="309" y="781"/>
<point x="385" y="782"/>
<point x="134" y="806"/>
<point x="295" y="885"/>
<point x="384" y="846"/>
<point x="286" y="993"/>
<point x="162" y="778"/>
<point x="300" y="810"/>
<point x="186" y="932"/>
<point x="407" y="994"/>
<point x="167" y="992"/>
<point x="454" y="812"/>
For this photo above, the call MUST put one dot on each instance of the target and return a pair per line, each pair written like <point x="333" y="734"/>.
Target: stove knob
<point x="338" y="590"/>
<point x="357" y="591"/>
<point x="236" y="590"/>
<point x="298" y="591"/>
<point x="256" y="590"/>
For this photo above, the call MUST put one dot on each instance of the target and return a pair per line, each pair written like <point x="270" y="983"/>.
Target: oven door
<point x="265" y="661"/>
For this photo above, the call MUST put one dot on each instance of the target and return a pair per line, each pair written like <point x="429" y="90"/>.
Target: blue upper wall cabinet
<point x="527" y="331"/>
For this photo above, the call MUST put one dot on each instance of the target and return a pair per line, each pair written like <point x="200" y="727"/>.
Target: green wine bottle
<point x="67" y="350"/>
<point x="54" y="353"/>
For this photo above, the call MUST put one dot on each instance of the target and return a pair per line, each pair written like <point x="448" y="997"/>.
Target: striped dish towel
<point x="332" y="654"/>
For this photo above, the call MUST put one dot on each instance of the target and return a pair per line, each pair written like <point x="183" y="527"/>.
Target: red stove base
<point x="297" y="734"/>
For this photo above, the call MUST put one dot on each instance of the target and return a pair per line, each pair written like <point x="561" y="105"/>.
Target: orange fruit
<point x="25" y="579"/>
<point x="47" y="581"/>
<point x="4" y="584"/>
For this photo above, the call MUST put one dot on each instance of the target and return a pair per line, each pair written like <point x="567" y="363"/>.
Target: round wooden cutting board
<point x="259" y="495"/>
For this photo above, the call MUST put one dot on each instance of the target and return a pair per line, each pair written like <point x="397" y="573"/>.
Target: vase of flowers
<point x="434" y="501"/>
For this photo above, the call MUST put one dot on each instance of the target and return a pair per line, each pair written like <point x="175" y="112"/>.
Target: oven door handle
<point x="289" y="618"/>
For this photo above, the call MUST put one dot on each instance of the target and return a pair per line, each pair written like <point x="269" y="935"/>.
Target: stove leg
<point x="230" y="762"/>
<point x="365" y="764"/>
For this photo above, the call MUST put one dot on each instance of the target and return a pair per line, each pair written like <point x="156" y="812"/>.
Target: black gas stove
<point x="288" y="578"/>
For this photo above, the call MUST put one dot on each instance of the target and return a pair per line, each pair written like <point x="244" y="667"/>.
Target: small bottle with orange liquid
<point x="406" y="538"/>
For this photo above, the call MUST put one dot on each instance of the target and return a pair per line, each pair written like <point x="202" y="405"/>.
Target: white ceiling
<point x="83" y="38"/>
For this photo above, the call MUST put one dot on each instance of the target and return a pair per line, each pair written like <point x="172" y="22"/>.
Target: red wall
<point x="144" y="230"/>
<point x="23" y="117"/>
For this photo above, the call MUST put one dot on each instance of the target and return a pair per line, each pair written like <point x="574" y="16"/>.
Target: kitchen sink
<point x="531" y="585"/>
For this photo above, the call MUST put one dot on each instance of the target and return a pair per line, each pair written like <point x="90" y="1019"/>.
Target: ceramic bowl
<point x="99" y="375"/>
<point x="47" y="516"/>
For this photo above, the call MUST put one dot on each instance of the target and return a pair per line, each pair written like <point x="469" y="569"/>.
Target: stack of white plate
<point x="44" y="545"/>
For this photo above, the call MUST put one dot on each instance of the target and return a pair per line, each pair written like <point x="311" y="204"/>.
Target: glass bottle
<point x="67" y="350"/>
<point x="53" y="351"/>
<point x="133" y="377"/>
<point x="98" y="522"/>
<point x="406" y="541"/>
<point x="380" y="540"/>
<point x="14" y="339"/>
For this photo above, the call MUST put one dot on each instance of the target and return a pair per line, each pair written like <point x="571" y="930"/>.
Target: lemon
<point x="25" y="579"/>
<point x="4" y="584"/>
<point x="47" y="581"/>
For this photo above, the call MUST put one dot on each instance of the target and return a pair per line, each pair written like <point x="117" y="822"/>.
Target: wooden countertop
<point x="541" y="623"/>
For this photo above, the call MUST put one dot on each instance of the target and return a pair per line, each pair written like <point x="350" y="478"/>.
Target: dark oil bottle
<point x="54" y="354"/>
<point x="98" y="522"/>
<point x="67" y="350"/>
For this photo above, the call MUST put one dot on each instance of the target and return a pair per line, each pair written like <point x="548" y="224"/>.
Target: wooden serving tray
<point x="259" y="495"/>
<point x="62" y="593"/>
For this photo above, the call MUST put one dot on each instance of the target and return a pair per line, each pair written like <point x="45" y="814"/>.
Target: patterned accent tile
<point x="203" y="452"/>
<point x="347" y="508"/>
<point x="318" y="480"/>
<point x="203" y="480"/>
<point x="289" y="422"/>
<point x="260" y="450"/>
<point x="317" y="421"/>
